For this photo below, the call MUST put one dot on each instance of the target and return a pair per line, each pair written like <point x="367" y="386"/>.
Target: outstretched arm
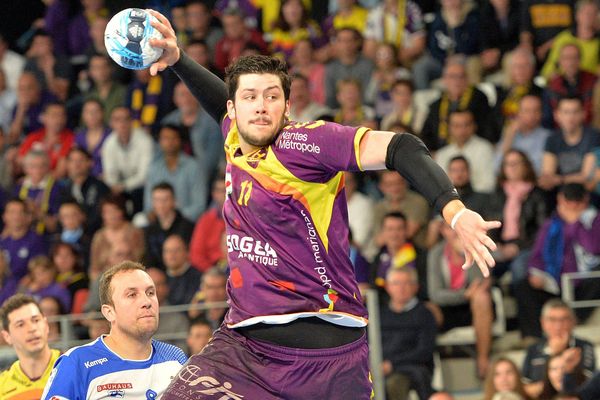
<point x="408" y="155"/>
<point x="208" y="88"/>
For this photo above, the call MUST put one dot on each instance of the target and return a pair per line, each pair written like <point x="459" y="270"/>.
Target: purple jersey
<point x="287" y="226"/>
<point x="19" y="251"/>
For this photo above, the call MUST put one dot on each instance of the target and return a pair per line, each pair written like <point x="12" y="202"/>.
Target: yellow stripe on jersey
<point x="317" y="198"/>
<point x="359" y="135"/>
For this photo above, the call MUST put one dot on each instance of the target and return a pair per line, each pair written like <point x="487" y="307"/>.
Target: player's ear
<point x="230" y="109"/>
<point x="6" y="337"/>
<point x="109" y="312"/>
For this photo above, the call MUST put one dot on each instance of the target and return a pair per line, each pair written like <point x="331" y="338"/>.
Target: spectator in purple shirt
<point x="19" y="243"/>
<point x="93" y="133"/>
<point x="79" y="27"/>
<point x="42" y="283"/>
<point x="567" y="242"/>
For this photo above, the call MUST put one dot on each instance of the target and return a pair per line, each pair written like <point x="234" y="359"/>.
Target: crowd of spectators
<point x="99" y="164"/>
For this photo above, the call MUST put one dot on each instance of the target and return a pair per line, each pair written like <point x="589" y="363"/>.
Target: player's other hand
<point x="171" y="52"/>
<point x="472" y="232"/>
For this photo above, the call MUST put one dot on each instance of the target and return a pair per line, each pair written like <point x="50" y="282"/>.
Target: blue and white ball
<point x="127" y="37"/>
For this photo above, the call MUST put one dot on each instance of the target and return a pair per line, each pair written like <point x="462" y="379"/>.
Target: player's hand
<point x="171" y="52"/>
<point x="472" y="232"/>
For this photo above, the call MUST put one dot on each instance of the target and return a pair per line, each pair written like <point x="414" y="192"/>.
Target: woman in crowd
<point x="522" y="208"/>
<point x="93" y="133"/>
<point x="302" y="61"/>
<point x="387" y="71"/>
<point x="294" y="24"/>
<point x="503" y="377"/>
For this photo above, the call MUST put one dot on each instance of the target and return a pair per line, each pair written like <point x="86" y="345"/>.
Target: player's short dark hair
<point x="164" y="186"/>
<point x="395" y="215"/>
<point x="105" y="290"/>
<point x="573" y="191"/>
<point x="14" y="303"/>
<point x="257" y="64"/>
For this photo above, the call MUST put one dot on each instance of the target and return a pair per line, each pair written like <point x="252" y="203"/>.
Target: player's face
<point x="27" y="330"/>
<point x="259" y="109"/>
<point x="505" y="378"/>
<point x="135" y="306"/>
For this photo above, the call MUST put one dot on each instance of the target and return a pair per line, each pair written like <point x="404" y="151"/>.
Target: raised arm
<point x="208" y="88"/>
<point x="406" y="154"/>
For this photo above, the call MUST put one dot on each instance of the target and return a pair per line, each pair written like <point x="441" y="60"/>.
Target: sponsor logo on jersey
<point x="100" y="361"/>
<point x="113" y="386"/>
<point x="297" y="141"/>
<point x="313" y="239"/>
<point x="119" y="394"/>
<point x="330" y="298"/>
<point x="252" y="249"/>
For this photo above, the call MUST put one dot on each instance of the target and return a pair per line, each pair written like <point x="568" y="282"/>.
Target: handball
<point x="127" y="37"/>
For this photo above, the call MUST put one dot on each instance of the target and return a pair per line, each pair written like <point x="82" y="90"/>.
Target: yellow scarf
<point x="40" y="227"/>
<point x="463" y="103"/>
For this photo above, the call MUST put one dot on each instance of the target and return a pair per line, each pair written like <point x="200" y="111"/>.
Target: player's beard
<point x="255" y="141"/>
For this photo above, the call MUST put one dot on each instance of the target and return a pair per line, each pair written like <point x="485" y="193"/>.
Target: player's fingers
<point x="468" y="261"/>
<point x="487" y="256"/>
<point x="479" y="260"/>
<point x="164" y="30"/>
<point x="157" y="67"/>
<point x="488" y="242"/>
<point x="162" y="43"/>
<point x="492" y="225"/>
<point x="164" y="20"/>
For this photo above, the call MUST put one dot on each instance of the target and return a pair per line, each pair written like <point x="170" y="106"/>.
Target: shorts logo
<point x="207" y="385"/>
<point x="331" y="297"/>
<point x="100" y="361"/>
<point x="114" y="386"/>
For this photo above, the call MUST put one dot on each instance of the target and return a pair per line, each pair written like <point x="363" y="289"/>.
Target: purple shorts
<point x="233" y="367"/>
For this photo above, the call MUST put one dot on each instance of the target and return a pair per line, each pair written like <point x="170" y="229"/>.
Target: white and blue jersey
<point x="93" y="371"/>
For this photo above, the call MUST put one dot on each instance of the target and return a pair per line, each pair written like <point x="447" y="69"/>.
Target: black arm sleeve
<point x="208" y="88"/>
<point x="408" y="155"/>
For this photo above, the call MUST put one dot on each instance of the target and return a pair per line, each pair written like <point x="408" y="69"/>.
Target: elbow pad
<point x="408" y="155"/>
